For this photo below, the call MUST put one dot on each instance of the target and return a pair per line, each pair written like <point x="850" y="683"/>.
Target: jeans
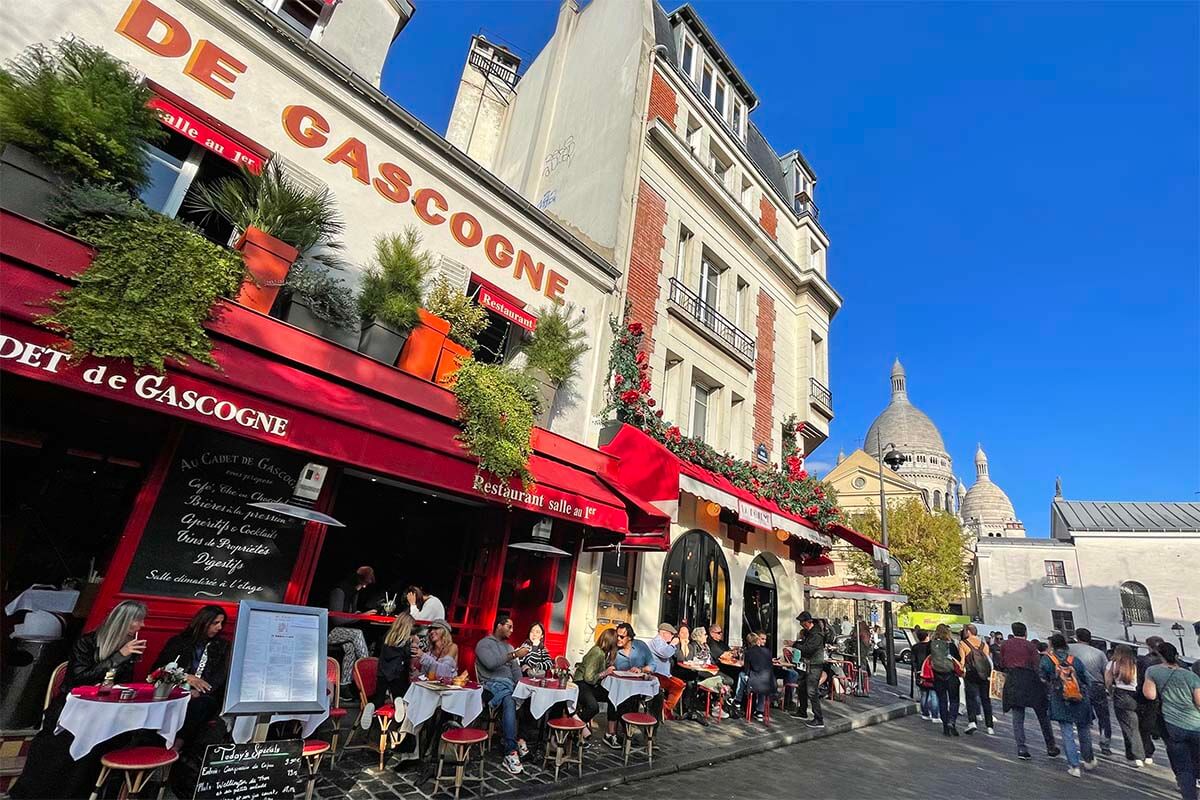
<point x="811" y="694"/>
<point x="946" y="686"/>
<point x="501" y="692"/>
<point x="591" y="695"/>
<point x="929" y="703"/>
<point x="1018" y="720"/>
<point x="1098" y="696"/>
<point x="1068" y="731"/>
<point x="1125" y="706"/>
<point x="739" y="694"/>
<point x="1183" y="749"/>
<point x="978" y="696"/>
<point x="1147" y="714"/>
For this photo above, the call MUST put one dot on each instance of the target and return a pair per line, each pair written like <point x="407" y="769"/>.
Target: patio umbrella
<point x="856" y="592"/>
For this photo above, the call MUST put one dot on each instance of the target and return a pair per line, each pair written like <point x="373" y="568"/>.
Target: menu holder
<point x="278" y="660"/>
<point x="437" y="686"/>
<point x="255" y="770"/>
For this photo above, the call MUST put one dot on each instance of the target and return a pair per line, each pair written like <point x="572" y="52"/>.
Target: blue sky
<point x="1013" y="196"/>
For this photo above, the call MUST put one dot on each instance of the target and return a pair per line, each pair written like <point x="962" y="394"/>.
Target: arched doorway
<point x="760" y="602"/>
<point x="696" y="582"/>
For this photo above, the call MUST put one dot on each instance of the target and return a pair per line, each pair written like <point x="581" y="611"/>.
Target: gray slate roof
<point x="1090" y="515"/>
<point x="663" y="34"/>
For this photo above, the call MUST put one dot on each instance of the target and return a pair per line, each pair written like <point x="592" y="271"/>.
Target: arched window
<point x="949" y="504"/>
<point x="696" y="582"/>
<point x="1135" y="602"/>
<point x="760" y="601"/>
<point x="937" y="500"/>
<point x="925" y="494"/>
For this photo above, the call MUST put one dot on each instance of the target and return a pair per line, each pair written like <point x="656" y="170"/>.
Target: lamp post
<point x="894" y="460"/>
<point x="1177" y="629"/>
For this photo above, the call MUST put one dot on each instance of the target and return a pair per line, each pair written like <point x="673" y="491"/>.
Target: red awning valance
<point x="655" y="473"/>
<point x="857" y="591"/>
<point x="819" y="567"/>
<point x="874" y="549"/>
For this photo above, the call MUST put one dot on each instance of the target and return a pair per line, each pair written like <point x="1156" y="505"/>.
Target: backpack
<point x="1064" y="671"/>
<point x="977" y="663"/>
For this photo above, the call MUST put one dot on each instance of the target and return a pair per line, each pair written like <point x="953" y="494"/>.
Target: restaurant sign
<point x="205" y="135"/>
<point x="754" y="515"/>
<point x="493" y="302"/>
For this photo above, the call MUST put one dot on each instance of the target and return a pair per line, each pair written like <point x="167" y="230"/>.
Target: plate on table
<point x="629" y="673"/>
<point x="435" y="686"/>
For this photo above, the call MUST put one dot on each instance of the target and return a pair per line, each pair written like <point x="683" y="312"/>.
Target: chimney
<point x="359" y="32"/>
<point x="487" y="87"/>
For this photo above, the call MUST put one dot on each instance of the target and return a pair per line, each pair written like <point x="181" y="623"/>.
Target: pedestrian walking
<point x="1069" y="704"/>
<point x="877" y="651"/>
<point x="977" y="675"/>
<point x="1148" y="711"/>
<point x="1121" y="679"/>
<point x="1094" y="662"/>
<point x="811" y="645"/>
<point x="1023" y="689"/>
<point x="947" y="667"/>
<point x="1178" y="691"/>
<point x="928" y="697"/>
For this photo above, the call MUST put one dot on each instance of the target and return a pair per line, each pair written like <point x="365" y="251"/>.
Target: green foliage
<point x="497" y="406"/>
<point x="392" y="285"/>
<point x="628" y="395"/>
<point x="557" y="343"/>
<point x="81" y="111"/>
<point x="275" y="204"/>
<point x="147" y="293"/>
<point x="328" y="297"/>
<point x="931" y="548"/>
<point x="467" y="319"/>
<point x="79" y="202"/>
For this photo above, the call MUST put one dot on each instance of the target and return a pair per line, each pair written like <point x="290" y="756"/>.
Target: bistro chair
<point x="491" y="714"/>
<point x="461" y="740"/>
<point x="636" y="721"/>
<point x="709" y="693"/>
<point x="333" y="685"/>
<point x="56" y="681"/>
<point x="313" y="750"/>
<point x="566" y="737"/>
<point x="750" y="706"/>
<point x="562" y="662"/>
<point x="366" y="676"/>
<point x="137" y="766"/>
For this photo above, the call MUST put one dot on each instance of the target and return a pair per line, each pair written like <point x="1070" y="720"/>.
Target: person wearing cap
<point x="663" y="648"/>
<point x="442" y="657"/>
<point x="811" y="645"/>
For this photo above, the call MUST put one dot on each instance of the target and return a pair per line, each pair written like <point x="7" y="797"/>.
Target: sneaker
<point x="935" y="720"/>
<point x="991" y="731"/>
<point x="512" y="763"/>
<point x="1090" y="764"/>
<point x="368" y="714"/>
<point x="348" y="694"/>
<point x="971" y="728"/>
<point x="1074" y="772"/>
<point x="816" y="723"/>
<point x="954" y="730"/>
<point x="1024" y="755"/>
<point x="1148" y="761"/>
<point x="759" y="718"/>
<point x="799" y="715"/>
<point x="1053" y="752"/>
<point x="522" y="748"/>
<point x="1136" y="763"/>
<point x="1105" y="750"/>
<point x="612" y="741"/>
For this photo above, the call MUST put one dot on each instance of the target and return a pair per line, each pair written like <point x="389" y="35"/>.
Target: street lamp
<point x="894" y="459"/>
<point x="1178" y="630"/>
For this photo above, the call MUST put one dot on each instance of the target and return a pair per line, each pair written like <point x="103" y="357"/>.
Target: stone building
<point x="986" y="510"/>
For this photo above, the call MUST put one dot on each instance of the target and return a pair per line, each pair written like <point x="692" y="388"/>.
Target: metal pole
<point x="885" y="569"/>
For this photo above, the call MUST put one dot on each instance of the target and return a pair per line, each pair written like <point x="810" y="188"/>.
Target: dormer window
<point x="306" y="16"/>
<point x="719" y="87"/>
<point x="706" y="82"/>
<point x="689" y="57"/>
<point x="719" y="98"/>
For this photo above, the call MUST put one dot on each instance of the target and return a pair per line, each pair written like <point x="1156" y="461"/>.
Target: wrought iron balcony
<point x="710" y="318"/>
<point x="819" y="394"/>
<point x="489" y="67"/>
<point x="803" y="204"/>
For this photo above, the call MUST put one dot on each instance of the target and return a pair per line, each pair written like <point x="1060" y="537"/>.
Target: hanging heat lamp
<point x="782" y="535"/>
<point x="539" y="541"/>
<point x="712" y="509"/>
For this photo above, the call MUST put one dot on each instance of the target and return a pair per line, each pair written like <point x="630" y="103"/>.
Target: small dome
<point x="902" y="423"/>
<point x="985" y="501"/>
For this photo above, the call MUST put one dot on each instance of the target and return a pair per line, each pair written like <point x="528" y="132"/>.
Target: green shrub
<point x="497" y="406"/>
<point x="80" y="202"/>
<point x="467" y="319"/>
<point x="147" y="293"/>
<point x="391" y="286"/>
<point x="328" y="297"/>
<point x="557" y="343"/>
<point x="81" y="111"/>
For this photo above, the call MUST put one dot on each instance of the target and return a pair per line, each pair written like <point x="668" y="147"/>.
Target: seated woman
<point x="395" y="666"/>
<point x="597" y="664"/>
<point x="424" y="607"/>
<point x="442" y="658"/>
<point x="204" y="656"/>
<point x="110" y="650"/>
<point x="760" y="672"/>
<point x="695" y="652"/>
<point x="538" y="659"/>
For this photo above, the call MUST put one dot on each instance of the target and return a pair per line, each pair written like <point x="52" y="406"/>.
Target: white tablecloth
<point x="422" y="702"/>
<point x="541" y="698"/>
<point x="93" y="722"/>
<point x="621" y="689"/>
<point x="54" y="600"/>
<point x="243" y="726"/>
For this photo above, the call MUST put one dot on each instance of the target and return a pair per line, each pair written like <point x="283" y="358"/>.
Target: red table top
<point x="144" y="693"/>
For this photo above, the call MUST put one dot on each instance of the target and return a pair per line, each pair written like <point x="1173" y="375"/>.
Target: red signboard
<point x="205" y="135"/>
<point x="493" y="302"/>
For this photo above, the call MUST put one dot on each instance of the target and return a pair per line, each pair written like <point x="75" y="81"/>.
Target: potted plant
<point x="166" y="678"/>
<point x="497" y="405"/>
<point x="316" y="301"/>
<point x="552" y="352"/>
<point x="390" y="295"/>
<point x="71" y="113"/>
<point x="444" y="335"/>
<point x="278" y="220"/>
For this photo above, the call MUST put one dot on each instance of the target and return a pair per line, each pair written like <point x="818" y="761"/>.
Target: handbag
<point x="926" y="680"/>
<point x="996" y="685"/>
<point x="958" y="667"/>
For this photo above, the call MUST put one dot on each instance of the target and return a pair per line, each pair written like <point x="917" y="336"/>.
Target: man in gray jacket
<point x="811" y="645"/>
<point x="499" y="668"/>
<point x="1094" y="663"/>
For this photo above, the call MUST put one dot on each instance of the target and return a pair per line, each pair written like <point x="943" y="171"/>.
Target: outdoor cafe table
<point x="543" y="698"/>
<point x="623" y="685"/>
<point x="243" y="725"/>
<point x="425" y="697"/>
<point x="93" y="718"/>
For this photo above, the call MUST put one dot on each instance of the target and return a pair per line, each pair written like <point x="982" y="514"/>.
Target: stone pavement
<point x="909" y="758"/>
<point x="678" y="746"/>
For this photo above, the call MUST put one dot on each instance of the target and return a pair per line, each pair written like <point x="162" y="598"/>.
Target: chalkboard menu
<point x="203" y="540"/>
<point x="258" y="770"/>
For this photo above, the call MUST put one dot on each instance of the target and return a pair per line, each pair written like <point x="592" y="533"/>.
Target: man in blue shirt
<point x="632" y="656"/>
<point x="663" y="648"/>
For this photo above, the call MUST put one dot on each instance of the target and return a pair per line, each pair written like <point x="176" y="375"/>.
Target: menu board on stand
<point x="253" y="771"/>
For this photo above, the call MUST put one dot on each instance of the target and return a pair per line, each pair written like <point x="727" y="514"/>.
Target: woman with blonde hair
<point x="442" y="658"/>
<point x="113" y="648"/>
<point x="947" y="666"/>
<point x="395" y="664"/>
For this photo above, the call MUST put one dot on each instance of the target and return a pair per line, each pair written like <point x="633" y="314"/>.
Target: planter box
<point x="295" y="311"/>
<point x="381" y="342"/>
<point x="27" y="185"/>
<point x="267" y="263"/>
<point x="424" y="346"/>
<point x="449" y="362"/>
<point x="547" y="391"/>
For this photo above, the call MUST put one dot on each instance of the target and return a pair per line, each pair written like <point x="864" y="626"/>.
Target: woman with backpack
<point x="947" y="667"/>
<point x="977" y="665"/>
<point x="920" y="653"/>
<point x="1069" y="704"/>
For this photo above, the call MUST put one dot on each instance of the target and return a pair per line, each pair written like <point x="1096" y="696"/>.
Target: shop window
<point x="695" y="588"/>
<point x="1063" y="622"/>
<point x="616" y="590"/>
<point x="308" y="17"/>
<point x="1135" y="603"/>
<point x="176" y="169"/>
<point x="760" y="602"/>
<point x="1056" y="574"/>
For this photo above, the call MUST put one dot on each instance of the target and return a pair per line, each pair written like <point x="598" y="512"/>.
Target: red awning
<point x="874" y="549"/>
<point x="819" y="567"/>
<point x="857" y="591"/>
<point x="653" y="472"/>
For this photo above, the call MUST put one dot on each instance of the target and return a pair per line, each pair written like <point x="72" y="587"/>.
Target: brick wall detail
<point x="663" y="104"/>
<point x="764" y="374"/>
<point x="767" y="217"/>
<point x="645" y="259"/>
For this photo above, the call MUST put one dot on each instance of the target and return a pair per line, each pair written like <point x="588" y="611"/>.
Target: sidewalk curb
<point x="605" y="780"/>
